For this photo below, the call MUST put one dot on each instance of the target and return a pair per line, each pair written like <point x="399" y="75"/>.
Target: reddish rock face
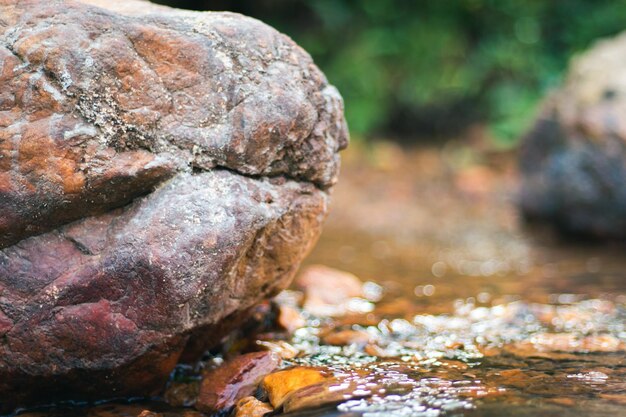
<point x="160" y="171"/>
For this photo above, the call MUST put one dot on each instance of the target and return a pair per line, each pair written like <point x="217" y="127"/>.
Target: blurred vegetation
<point x="431" y="67"/>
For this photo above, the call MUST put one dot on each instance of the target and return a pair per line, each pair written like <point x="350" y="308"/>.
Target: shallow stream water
<point x="479" y="314"/>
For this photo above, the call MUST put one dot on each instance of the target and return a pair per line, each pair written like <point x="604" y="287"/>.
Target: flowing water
<point x="481" y="315"/>
<point x="472" y="312"/>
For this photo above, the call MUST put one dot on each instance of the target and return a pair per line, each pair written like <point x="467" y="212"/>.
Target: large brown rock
<point x="161" y="171"/>
<point x="573" y="160"/>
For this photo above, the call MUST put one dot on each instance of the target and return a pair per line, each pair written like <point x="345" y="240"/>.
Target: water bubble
<point x="429" y="290"/>
<point x="483" y="297"/>
<point x="372" y="291"/>
<point x="439" y="269"/>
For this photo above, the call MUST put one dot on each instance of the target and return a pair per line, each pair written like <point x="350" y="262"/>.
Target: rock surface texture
<point x="573" y="160"/>
<point x="161" y="171"/>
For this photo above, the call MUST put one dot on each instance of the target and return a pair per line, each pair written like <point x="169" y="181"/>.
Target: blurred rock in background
<point x="573" y="160"/>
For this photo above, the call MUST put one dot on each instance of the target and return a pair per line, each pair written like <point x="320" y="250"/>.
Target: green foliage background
<point x="415" y="68"/>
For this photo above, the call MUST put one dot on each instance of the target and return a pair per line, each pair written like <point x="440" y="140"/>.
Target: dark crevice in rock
<point x="81" y="247"/>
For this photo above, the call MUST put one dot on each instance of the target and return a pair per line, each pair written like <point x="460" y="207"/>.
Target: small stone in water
<point x="251" y="407"/>
<point x="326" y="290"/>
<point x="616" y="398"/>
<point x="398" y="307"/>
<point x="372" y="291"/>
<point x="348" y="337"/>
<point x="567" y="402"/>
<point x="289" y="298"/>
<point x="375" y="350"/>
<point x="567" y="342"/>
<point x="182" y="394"/>
<point x="280" y="347"/>
<point x="222" y="387"/>
<point x="290" y="319"/>
<point x="323" y="393"/>
<point x="281" y="383"/>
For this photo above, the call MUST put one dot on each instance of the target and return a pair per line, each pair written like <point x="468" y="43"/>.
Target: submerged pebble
<point x="329" y="292"/>
<point x="251" y="407"/>
<point x="182" y="394"/>
<point x="331" y="391"/>
<point x="279" y="384"/>
<point x="435" y="365"/>
<point x="348" y="337"/>
<point x="289" y="318"/>
<point x="223" y="386"/>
